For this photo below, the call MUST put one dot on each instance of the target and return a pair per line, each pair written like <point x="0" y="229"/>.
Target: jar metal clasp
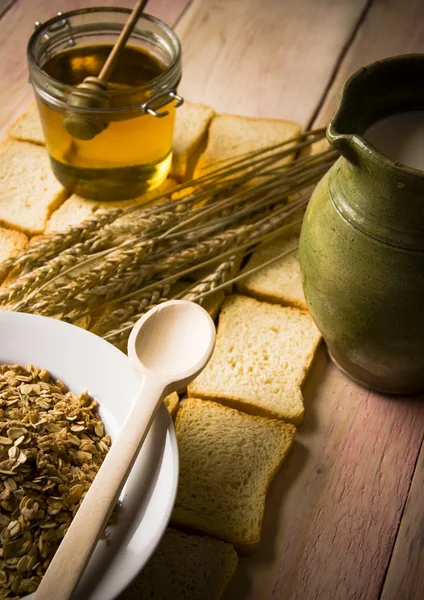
<point x="160" y="100"/>
<point x="60" y="25"/>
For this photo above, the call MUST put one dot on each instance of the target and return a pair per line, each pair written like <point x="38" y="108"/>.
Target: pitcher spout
<point x="374" y="92"/>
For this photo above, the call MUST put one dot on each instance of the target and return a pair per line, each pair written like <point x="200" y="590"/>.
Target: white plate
<point x="84" y="361"/>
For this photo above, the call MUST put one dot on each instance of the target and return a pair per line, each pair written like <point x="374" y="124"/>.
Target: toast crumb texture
<point x="262" y="354"/>
<point x="29" y="191"/>
<point x="185" y="567"/>
<point x="227" y="462"/>
<point x="280" y="281"/>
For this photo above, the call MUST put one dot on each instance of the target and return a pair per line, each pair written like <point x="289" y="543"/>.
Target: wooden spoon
<point x="168" y="347"/>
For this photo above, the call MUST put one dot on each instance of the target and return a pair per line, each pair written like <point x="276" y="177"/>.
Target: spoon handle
<point x="76" y="548"/>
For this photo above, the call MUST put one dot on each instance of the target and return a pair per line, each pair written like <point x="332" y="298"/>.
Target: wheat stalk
<point x="58" y="299"/>
<point x="202" y="253"/>
<point x="210" y="283"/>
<point x="117" y="325"/>
<point x="88" y="287"/>
<point x="124" y="264"/>
<point x="94" y="228"/>
<point x="45" y="248"/>
<point x="220" y="279"/>
<point x="78" y="255"/>
<point x="127" y="269"/>
<point x="124" y="312"/>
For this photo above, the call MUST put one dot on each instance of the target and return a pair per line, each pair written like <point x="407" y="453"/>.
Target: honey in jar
<point x="132" y="153"/>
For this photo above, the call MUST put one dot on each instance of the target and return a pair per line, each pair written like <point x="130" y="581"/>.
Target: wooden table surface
<point x="345" y="516"/>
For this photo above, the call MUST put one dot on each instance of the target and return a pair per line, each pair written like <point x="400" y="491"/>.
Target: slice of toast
<point x="27" y="127"/>
<point x="278" y="282"/>
<point x="231" y="135"/>
<point x="191" y="128"/>
<point x="29" y="191"/>
<point x="185" y="567"/>
<point x="172" y="403"/>
<point x="262" y="354"/>
<point x="227" y="462"/>
<point x="11" y="242"/>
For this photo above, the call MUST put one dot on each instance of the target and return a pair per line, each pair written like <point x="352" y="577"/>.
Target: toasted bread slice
<point x="278" y="282"/>
<point x="227" y="462"/>
<point x="262" y="354"/>
<point x="190" y="134"/>
<point x="232" y="135"/>
<point x="27" y="128"/>
<point x="172" y="403"/>
<point x="29" y="191"/>
<point x="11" y="242"/>
<point x="185" y="567"/>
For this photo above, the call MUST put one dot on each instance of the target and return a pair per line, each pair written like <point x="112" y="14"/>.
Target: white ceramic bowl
<point x="84" y="361"/>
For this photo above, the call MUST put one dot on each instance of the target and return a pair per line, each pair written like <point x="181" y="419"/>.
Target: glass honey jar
<point x="134" y="116"/>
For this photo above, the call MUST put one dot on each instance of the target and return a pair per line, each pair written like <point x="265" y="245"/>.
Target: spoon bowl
<point x="172" y="341"/>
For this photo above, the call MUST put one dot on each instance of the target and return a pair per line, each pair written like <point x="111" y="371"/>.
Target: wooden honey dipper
<point x="86" y="128"/>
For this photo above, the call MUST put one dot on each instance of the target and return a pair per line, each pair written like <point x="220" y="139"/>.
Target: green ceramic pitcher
<point x="362" y="239"/>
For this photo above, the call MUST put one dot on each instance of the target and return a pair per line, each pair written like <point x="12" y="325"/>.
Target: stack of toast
<point x="238" y="420"/>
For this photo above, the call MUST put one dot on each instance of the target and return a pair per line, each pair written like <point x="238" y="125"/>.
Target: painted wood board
<point x="333" y="512"/>
<point x="5" y="5"/>
<point x="390" y="28"/>
<point x="17" y="24"/>
<point x="263" y="58"/>
<point x="405" y="576"/>
<point x="313" y="547"/>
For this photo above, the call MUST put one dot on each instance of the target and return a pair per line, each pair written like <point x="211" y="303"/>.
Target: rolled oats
<point x="52" y="444"/>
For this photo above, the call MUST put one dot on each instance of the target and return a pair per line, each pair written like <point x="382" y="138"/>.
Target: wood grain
<point x="405" y="577"/>
<point x="4" y="5"/>
<point x="333" y="512"/>
<point x="390" y="28"/>
<point x="335" y="509"/>
<point x="265" y="58"/>
<point x="16" y="26"/>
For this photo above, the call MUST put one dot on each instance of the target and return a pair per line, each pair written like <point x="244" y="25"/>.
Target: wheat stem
<point x="201" y="290"/>
<point x="208" y="261"/>
<point x="126" y="259"/>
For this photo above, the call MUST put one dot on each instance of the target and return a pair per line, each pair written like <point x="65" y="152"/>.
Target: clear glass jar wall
<point x="135" y="116"/>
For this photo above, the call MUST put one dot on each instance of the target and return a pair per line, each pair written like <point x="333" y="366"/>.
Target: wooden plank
<point x="333" y="512"/>
<point x="4" y="5"/>
<point x="391" y="28"/>
<point x="405" y="577"/>
<point x="267" y="58"/>
<point x="17" y="25"/>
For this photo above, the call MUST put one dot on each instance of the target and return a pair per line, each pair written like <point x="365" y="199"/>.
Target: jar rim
<point x="154" y="82"/>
